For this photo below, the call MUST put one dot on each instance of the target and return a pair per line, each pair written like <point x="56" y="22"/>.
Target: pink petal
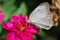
<point x="17" y="25"/>
<point x="28" y="35"/>
<point x="2" y="15"/>
<point x="1" y="21"/>
<point x="33" y="29"/>
<point x="14" y="18"/>
<point x="17" y="38"/>
<point x="21" y="19"/>
<point x="9" y="26"/>
<point x="27" y="17"/>
<point x="10" y="36"/>
<point x="1" y="11"/>
<point x="25" y="36"/>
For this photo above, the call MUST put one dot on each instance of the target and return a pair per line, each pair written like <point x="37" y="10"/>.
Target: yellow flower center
<point x="22" y="28"/>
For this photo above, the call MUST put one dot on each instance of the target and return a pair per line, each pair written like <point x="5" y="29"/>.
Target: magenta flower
<point x="19" y="29"/>
<point x="1" y="16"/>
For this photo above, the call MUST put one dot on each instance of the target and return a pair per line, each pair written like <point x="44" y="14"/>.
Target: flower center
<point x="22" y="28"/>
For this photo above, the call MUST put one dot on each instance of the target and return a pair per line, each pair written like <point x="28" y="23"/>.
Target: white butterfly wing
<point x="42" y="26"/>
<point x="41" y="16"/>
<point x="40" y="12"/>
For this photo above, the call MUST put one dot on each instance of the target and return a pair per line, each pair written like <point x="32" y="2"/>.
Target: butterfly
<point x="41" y="17"/>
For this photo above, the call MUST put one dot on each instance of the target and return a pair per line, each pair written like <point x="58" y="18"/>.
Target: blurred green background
<point x="12" y="7"/>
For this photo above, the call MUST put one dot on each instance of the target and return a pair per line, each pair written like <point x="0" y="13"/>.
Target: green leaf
<point x="34" y="36"/>
<point x="9" y="8"/>
<point x="42" y="33"/>
<point x="22" y="9"/>
<point x="7" y="4"/>
<point x="0" y="0"/>
<point x="0" y="28"/>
